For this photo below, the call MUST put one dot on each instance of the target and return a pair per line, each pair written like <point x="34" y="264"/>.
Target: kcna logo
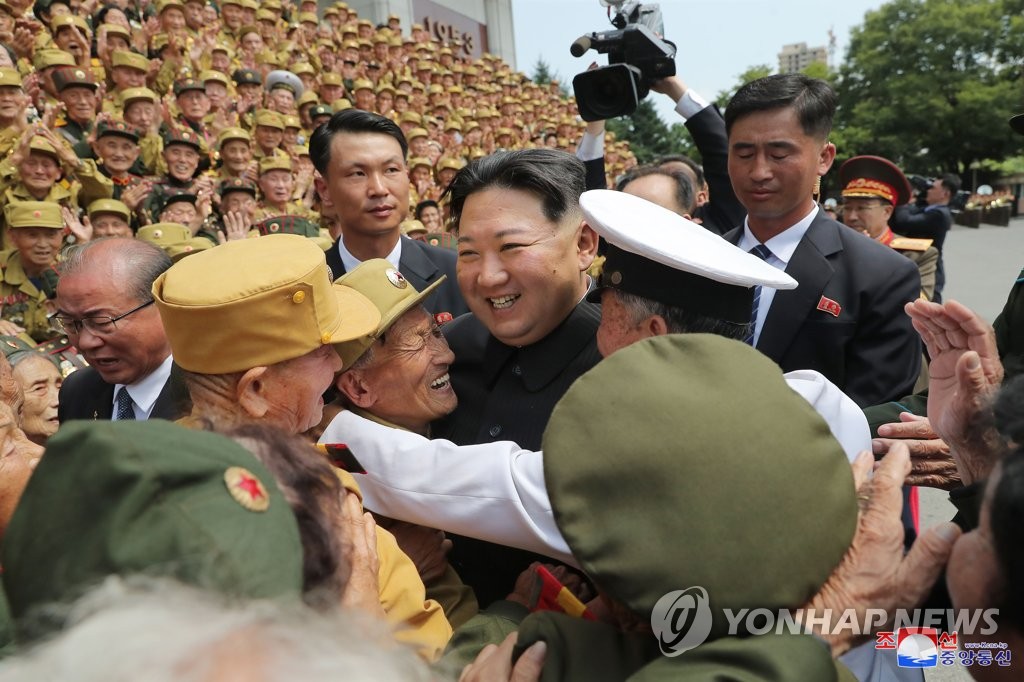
<point x="682" y="620"/>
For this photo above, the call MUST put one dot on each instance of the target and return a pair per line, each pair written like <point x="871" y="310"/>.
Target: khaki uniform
<point x="24" y="304"/>
<point x="924" y="255"/>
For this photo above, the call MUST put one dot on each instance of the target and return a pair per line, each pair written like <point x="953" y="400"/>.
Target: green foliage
<point x="751" y="74"/>
<point x="649" y="137"/>
<point x="930" y="84"/>
<point x="542" y="75"/>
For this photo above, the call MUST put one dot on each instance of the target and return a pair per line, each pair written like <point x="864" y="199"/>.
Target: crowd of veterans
<point x="331" y="352"/>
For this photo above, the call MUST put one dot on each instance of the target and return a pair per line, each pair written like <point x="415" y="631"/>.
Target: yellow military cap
<point x="341" y="104"/>
<point x="271" y="119"/>
<point x="331" y="78"/>
<point x="256" y="302"/>
<point x="453" y="124"/>
<point x="250" y="4"/>
<point x="39" y="144"/>
<point x="167" y="4"/>
<point x="215" y="76"/>
<point x="9" y="77"/>
<point x="232" y="134"/>
<point x="308" y="18"/>
<point x="52" y="57"/>
<point x="391" y="294"/>
<point x="70" y="20"/>
<point x="34" y="214"/>
<point x="266" y="15"/>
<point x="450" y="163"/>
<point x="410" y="116"/>
<point x="230" y="2"/>
<point x="174" y="238"/>
<point x="419" y="161"/>
<point x="416" y="132"/>
<point x="270" y="163"/>
<point x="292" y="121"/>
<point x="116" y="30"/>
<point x="362" y="84"/>
<point x="385" y="87"/>
<point x="308" y="97"/>
<point x="301" y="68"/>
<point x="134" y="94"/>
<point x="130" y="59"/>
<point x="109" y="206"/>
<point x="413" y="226"/>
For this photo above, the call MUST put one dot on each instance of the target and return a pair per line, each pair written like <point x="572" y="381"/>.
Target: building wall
<point x="798" y="56"/>
<point x="487" y="24"/>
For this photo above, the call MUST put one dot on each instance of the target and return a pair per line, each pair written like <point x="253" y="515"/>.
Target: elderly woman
<point x="19" y="454"/>
<point x="40" y="379"/>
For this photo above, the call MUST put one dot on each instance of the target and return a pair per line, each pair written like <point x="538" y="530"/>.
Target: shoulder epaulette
<point x="911" y="244"/>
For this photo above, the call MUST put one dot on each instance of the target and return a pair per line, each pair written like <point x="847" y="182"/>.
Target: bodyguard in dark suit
<point x="523" y="254"/>
<point x="845" y="319"/>
<point x="364" y="179"/>
<point x="105" y="306"/>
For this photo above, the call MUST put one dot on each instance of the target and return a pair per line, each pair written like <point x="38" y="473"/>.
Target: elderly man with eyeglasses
<point x="105" y="306"/>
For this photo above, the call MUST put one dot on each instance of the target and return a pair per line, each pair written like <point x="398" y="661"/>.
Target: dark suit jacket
<point x="723" y="210"/>
<point x="421" y="264"/>
<point x="870" y="350"/>
<point x="85" y="395"/>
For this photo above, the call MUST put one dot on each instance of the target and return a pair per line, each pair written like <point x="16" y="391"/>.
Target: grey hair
<point x="160" y="630"/>
<point x="677" y="320"/>
<point x="141" y="262"/>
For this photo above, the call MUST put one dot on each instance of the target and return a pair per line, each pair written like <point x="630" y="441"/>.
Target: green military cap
<point x="133" y="60"/>
<point x="775" y="478"/>
<point x="247" y="77"/>
<point x="321" y="110"/>
<point x="145" y="514"/>
<point x="417" y="132"/>
<point x="34" y="214"/>
<point x="174" y="196"/>
<point x="236" y="185"/>
<point x="179" y="136"/>
<point x="331" y="78"/>
<point x="187" y="84"/>
<point x="9" y="77"/>
<point x="389" y="290"/>
<point x="109" y="206"/>
<point x="275" y="162"/>
<point x="115" y="126"/>
<point x="208" y="303"/>
<point x="287" y="224"/>
<point x="174" y="238"/>
<point x="135" y="94"/>
<point x="233" y="134"/>
<point x="341" y="104"/>
<point x="271" y="119"/>
<point x="443" y="240"/>
<point x="117" y="30"/>
<point x="16" y="349"/>
<point x="72" y="77"/>
<point x="216" y="76"/>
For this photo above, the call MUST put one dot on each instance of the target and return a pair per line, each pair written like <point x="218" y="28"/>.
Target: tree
<point x="542" y="74"/>
<point x="649" y="137"/>
<point x="751" y="74"/>
<point x="930" y="84"/>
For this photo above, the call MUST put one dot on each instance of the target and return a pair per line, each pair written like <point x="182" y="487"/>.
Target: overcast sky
<point x="716" y="40"/>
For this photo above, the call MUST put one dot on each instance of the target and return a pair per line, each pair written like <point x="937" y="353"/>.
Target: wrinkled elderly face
<point x="238" y="202"/>
<point x="268" y="137"/>
<point x="194" y="104"/>
<point x="80" y="103"/>
<point x="109" y="225"/>
<point x="183" y="212"/>
<point x="18" y="457"/>
<point x="294" y="389"/>
<point x="236" y="155"/>
<point x="407" y="378"/>
<point x="277" y="186"/>
<point x="37" y="246"/>
<point x="118" y="153"/>
<point x="10" y="100"/>
<point x="125" y="77"/>
<point x="182" y="161"/>
<point x="870" y="216"/>
<point x="141" y="113"/>
<point x="40" y="382"/>
<point x="39" y="171"/>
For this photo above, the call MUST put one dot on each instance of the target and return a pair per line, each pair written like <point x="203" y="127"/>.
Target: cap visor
<point x="358" y="316"/>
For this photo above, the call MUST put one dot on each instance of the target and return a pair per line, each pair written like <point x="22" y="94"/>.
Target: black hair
<point x="350" y="121"/>
<point x="698" y="170"/>
<point x="685" y="195"/>
<point x="951" y="183"/>
<point x="813" y="99"/>
<point x="555" y="177"/>
<point x="426" y="203"/>
<point x="677" y="320"/>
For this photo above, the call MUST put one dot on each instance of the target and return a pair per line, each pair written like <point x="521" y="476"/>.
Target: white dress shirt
<point x="495" y="491"/>
<point x="782" y="246"/>
<point x="351" y="262"/>
<point x="145" y="392"/>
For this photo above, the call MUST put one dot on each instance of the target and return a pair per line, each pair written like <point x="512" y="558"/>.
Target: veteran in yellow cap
<point x="254" y="325"/>
<point x="872" y="188"/>
<point x="29" y="281"/>
<point x="174" y="238"/>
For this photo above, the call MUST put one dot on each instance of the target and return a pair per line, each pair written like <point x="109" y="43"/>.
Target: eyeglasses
<point x="100" y="325"/>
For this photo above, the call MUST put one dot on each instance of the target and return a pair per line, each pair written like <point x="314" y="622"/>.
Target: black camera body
<point x="637" y="57"/>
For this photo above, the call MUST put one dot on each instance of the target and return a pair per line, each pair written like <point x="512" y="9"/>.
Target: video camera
<point x="637" y="57"/>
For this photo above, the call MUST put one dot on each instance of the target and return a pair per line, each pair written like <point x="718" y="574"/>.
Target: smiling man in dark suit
<point x="106" y="309"/>
<point x="360" y="157"/>
<point x="845" y="319"/>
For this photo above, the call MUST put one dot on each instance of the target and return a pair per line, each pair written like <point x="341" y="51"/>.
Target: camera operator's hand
<point x="673" y="86"/>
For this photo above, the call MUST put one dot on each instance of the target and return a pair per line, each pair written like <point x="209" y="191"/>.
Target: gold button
<point x="299" y="296"/>
<point x="326" y="338"/>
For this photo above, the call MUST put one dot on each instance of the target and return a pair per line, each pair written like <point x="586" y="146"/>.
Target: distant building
<point x="471" y="27"/>
<point x="798" y="56"/>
